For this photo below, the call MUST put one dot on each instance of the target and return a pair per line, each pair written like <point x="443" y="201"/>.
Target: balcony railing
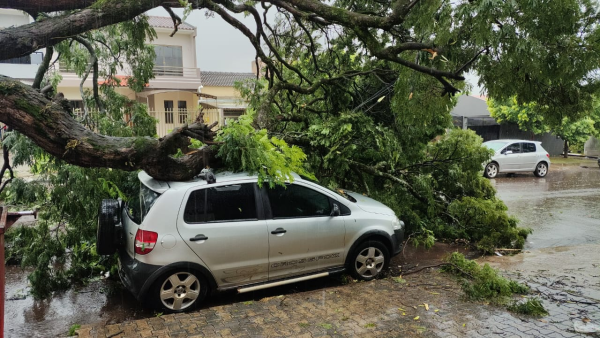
<point x="171" y="119"/>
<point x="175" y="71"/>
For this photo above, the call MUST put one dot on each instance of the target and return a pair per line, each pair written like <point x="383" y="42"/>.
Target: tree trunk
<point x="50" y="125"/>
<point x="566" y="149"/>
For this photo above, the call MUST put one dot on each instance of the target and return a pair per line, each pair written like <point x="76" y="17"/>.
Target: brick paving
<point x="383" y="308"/>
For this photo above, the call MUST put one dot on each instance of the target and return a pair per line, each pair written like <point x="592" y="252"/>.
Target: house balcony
<point x="162" y="71"/>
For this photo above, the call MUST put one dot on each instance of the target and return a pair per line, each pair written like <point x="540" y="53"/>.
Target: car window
<point x="297" y="201"/>
<point x="221" y="204"/>
<point x="515" y="148"/>
<point x="139" y="205"/>
<point x="194" y="209"/>
<point x="528" y="147"/>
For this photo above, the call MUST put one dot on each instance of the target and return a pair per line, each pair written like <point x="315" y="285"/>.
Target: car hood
<point x="370" y="205"/>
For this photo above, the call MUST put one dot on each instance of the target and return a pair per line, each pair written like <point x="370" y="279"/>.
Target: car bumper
<point x="397" y="240"/>
<point x="135" y="274"/>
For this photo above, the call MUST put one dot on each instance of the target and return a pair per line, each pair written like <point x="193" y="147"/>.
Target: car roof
<point x="513" y="140"/>
<point x="225" y="176"/>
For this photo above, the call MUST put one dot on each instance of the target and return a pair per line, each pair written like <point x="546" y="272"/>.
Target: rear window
<point x="139" y="205"/>
<point x="528" y="147"/>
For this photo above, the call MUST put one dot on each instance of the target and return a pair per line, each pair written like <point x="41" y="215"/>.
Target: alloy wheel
<point x="369" y="262"/>
<point x="491" y="170"/>
<point x="542" y="169"/>
<point x="180" y="291"/>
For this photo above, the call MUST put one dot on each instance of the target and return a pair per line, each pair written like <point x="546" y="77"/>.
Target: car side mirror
<point x="335" y="211"/>
<point x="508" y="152"/>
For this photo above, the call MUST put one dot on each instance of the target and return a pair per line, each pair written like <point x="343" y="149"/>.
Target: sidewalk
<point x="389" y="307"/>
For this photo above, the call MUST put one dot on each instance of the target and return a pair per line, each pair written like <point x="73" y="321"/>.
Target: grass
<point x="573" y="161"/>
<point x="73" y="329"/>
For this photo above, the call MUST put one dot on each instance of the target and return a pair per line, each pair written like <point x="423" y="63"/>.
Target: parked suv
<point x="512" y="156"/>
<point x="179" y="240"/>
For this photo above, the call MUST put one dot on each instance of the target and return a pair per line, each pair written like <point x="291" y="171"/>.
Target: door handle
<point x="200" y="237"/>
<point x="279" y="231"/>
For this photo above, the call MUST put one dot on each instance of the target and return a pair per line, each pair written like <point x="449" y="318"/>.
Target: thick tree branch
<point x="43" y="68"/>
<point x="50" y="126"/>
<point x="31" y="6"/>
<point x="25" y="39"/>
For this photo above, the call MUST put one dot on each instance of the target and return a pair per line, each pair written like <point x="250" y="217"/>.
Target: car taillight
<point x="145" y="241"/>
<point x="547" y="155"/>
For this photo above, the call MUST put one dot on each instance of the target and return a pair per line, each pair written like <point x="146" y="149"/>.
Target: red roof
<point x="123" y="80"/>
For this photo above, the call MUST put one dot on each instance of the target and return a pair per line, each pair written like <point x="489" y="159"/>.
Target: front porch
<point x="175" y="108"/>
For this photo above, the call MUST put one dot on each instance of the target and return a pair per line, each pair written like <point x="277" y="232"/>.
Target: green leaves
<point x="531" y="117"/>
<point x="247" y="149"/>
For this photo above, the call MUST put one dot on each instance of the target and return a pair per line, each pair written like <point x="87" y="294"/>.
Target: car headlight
<point x="397" y="224"/>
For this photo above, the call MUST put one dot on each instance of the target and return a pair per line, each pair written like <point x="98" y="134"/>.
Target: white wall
<point x="11" y="17"/>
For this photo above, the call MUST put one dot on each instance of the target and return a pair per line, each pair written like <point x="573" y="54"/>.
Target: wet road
<point x="563" y="209"/>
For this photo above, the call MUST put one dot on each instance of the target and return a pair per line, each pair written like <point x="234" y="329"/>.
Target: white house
<point x="178" y="91"/>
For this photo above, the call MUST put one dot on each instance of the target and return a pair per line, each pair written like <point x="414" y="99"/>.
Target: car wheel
<point x="108" y="218"/>
<point x="541" y="169"/>
<point x="178" y="291"/>
<point x="491" y="170"/>
<point x="368" y="260"/>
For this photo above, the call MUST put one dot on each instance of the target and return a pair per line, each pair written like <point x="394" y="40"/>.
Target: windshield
<point x="338" y="191"/>
<point x="139" y="204"/>
<point x="495" y="145"/>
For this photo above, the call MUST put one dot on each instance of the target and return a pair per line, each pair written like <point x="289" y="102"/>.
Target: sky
<point x="220" y="47"/>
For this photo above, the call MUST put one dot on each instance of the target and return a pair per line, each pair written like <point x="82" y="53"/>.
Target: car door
<point x="303" y="236"/>
<point x="224" y="225"/>
<point x="529" y="156"/>
<point x="509" y="158"/>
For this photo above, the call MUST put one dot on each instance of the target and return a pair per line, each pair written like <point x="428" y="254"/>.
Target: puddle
<point x="26" y="317"/>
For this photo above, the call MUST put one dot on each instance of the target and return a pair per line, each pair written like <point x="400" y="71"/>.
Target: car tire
<point x="178" y="291"/>
<point x="491" y="170"/>
<point x="541" y="169"/>
<point x="108" y="218"/>
<point x="368" y="260"/>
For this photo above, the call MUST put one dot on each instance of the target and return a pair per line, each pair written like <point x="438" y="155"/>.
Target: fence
<point x="171" y="119"/>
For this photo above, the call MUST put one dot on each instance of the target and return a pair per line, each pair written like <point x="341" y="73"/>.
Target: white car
<point x="179" y="240"/>
<point x="513" y="156"/>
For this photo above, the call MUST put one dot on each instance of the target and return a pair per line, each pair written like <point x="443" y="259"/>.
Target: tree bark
<point x="566" y="149"/>
<point x="50" y="125"/>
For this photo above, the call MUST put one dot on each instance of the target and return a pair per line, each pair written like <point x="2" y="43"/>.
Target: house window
<point x="182" y="110"/>
<point x="233" y="113"/>
<point x="168" y="61"/>
<point x="169" y="111"/>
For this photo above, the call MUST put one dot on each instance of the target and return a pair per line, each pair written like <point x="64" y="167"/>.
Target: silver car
<point x="179" y="240"/>
<point x="513" y="156"/>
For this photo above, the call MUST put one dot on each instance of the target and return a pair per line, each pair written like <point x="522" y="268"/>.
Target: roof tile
<point x="223" y="79"/>
<point x="167" y="22"/>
